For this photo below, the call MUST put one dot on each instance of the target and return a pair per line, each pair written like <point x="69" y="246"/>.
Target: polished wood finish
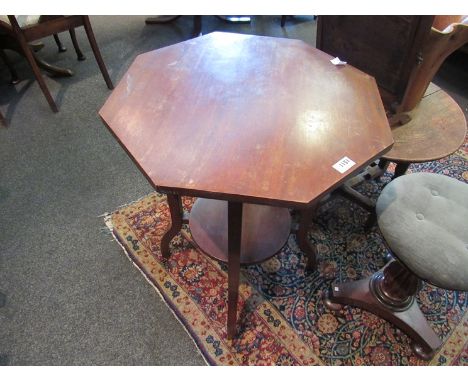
<point x="389" y="294"/>
<point x="265" y="230"/>
<point x="50" y="25"/>
<point x="437" y="129"/>
<point x="185" y="116"/>
<point x="386" y="47"/>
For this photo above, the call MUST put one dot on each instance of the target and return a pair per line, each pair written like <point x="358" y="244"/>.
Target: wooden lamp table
<point x="248" y="153"/>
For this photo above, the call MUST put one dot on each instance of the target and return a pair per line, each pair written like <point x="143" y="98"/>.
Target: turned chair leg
<point x="60" y="46"/>
<point x="390" y="294"/>
<point x="97" y="53"/>
<point x="79" y="54"/>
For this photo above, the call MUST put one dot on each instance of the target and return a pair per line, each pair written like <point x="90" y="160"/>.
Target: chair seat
<point x="424" y="219"/>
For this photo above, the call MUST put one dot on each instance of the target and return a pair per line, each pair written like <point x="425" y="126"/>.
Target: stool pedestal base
<point x="373" y="293"/>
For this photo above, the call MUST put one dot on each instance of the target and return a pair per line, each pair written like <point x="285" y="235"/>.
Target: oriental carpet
<point x="282" y="319"/>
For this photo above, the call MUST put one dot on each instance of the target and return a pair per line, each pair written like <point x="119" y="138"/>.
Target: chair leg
<point x="97" y="53"/>
<point x="390" y="294"/>
<point x="37" y="73"/>
<point x="79" y="54"/>
<point x="60" y="46"/>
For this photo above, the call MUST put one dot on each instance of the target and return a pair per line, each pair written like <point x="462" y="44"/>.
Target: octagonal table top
<point x="246" y="118"/>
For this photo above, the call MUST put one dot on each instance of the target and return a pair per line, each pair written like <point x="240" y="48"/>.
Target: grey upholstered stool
<point x="424" y="219"/>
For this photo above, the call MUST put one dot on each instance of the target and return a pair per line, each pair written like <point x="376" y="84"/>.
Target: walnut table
<point x="185" y="116"/>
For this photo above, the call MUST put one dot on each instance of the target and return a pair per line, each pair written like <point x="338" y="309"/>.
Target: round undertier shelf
<point x="265" y="230"/>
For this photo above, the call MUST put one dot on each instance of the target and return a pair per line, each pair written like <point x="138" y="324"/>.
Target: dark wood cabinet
<point x="386" y="47"/>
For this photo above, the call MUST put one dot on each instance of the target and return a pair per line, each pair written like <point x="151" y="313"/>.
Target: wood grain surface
<point x="246" y="118"/>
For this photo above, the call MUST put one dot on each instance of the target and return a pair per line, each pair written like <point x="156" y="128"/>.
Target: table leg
<point x="175" y="207"/>
<point x="306" y="216"/>
<point x="234" y="251"/>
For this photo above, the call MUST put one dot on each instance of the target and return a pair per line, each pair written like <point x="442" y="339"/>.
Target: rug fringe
<point x="110" y="226"/>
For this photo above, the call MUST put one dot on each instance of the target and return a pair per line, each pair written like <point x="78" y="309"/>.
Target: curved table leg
<point x="175" y="207"/>
<point x="306" y="216"/>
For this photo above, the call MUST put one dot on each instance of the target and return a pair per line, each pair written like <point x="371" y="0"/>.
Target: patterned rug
<point x="283" y="320"/>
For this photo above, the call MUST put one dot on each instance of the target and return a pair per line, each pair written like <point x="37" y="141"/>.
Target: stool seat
<point x="424" y="219"/>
